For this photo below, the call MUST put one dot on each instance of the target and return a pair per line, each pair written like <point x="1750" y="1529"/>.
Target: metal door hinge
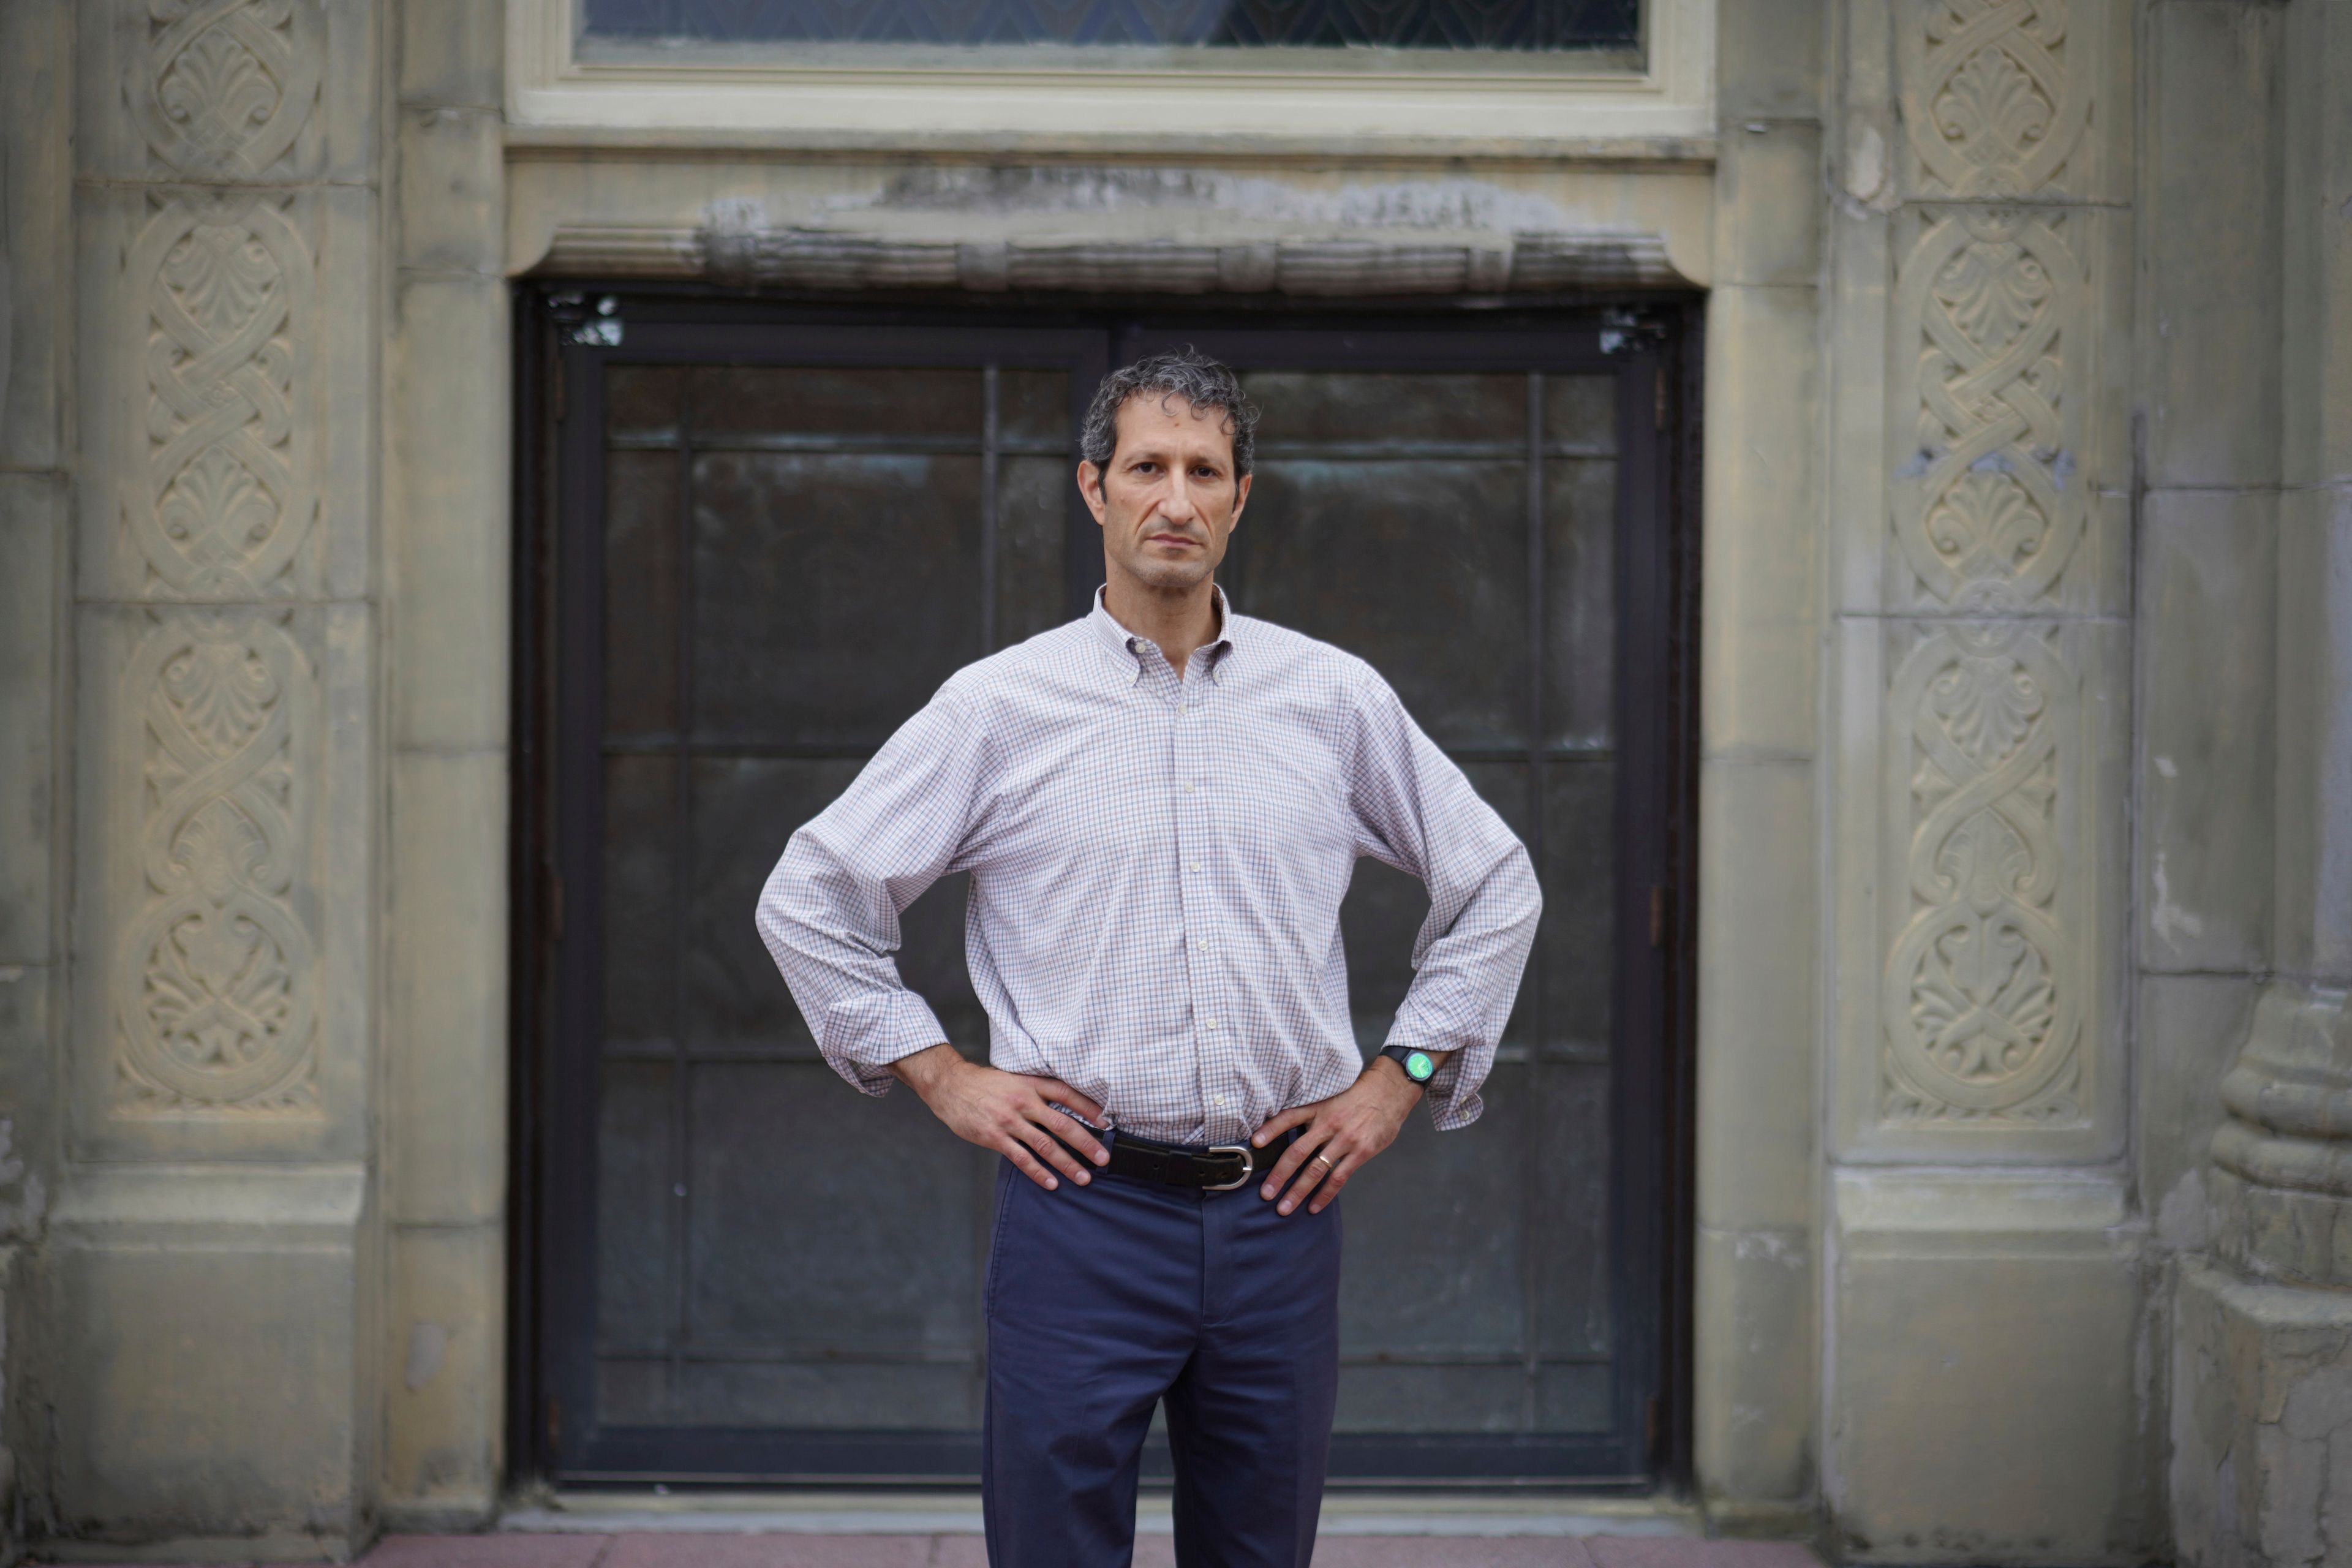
<point x="555" y="1421"/>
<point x="556" y="906"/>
<point x="1662" y="399"/>
<point x="1657" y="915"/>
<point x="1650" y="1428"/>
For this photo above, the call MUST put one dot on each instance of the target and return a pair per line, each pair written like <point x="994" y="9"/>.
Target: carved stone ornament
<point x="1986" y="983"/>
<point x="222" y="498"/>
<point x="226" y="86"/>
<point x="1996" y="95"/>
<point x="215" y="997"/>
<point x="1989" y="507"/>
<point x="1982" y="1009"/>
<point x="212" y="990"/>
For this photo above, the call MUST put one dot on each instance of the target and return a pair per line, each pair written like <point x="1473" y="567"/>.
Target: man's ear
<point x="1090" y="488"/>
<point x="1241" y="496"/>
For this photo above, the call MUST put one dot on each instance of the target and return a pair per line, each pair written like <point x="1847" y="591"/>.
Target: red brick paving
<point x="1667" y="1551"/>
<point x="486" y="1552"/>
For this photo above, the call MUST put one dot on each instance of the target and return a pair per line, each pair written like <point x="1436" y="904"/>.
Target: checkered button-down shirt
<point x="1156" y="867"/>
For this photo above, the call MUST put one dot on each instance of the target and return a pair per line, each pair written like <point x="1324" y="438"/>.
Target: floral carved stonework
<point x="1986" y="979"/>
<point x="214" y="992"/>
<point x="222" y="498"/>
<point x="216" y="1013"/>
<point x="1982" y="1011"/>
<point x="1996" y="94"/>
<point x="1989" y="503"/>
<point x="226" y="86"/>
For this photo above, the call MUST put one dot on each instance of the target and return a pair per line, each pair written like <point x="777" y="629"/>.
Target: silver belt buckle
<point x="1249" y="1164"/>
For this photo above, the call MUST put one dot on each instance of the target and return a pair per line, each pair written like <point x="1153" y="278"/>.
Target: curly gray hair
<point x="1191" y="376"/>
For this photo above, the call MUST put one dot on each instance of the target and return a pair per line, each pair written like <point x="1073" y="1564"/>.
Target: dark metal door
<point x="769" y="540"/>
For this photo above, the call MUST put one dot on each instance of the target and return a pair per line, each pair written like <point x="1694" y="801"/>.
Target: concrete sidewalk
<point x="941" y="1530"/>
<point x="703" y="1549"/>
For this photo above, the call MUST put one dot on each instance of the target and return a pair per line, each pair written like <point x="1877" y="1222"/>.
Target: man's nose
<point x="1180" y="506"/>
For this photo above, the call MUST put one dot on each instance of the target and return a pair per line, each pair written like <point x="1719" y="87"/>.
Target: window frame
<point x="1493" y="103"/>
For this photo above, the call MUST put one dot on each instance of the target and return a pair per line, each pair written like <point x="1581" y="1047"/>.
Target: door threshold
<point x="957" y="1512"/>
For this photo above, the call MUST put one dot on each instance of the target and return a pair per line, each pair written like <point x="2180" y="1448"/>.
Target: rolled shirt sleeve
<point x="829" y="913"/>
<point x="1416" y="811"/>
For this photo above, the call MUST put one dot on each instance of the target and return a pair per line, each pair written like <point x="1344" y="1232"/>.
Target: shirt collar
<point x="1119" y="640"/>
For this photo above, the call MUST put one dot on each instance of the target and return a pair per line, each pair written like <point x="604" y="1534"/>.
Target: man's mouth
<point x="1181" y="541"/>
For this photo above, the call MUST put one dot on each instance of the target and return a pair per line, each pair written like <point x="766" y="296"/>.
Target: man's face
<point x="1169" y="499"/>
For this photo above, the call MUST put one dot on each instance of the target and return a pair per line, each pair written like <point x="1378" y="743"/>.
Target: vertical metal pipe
<point x="988" y="509"/>
<point x="1531" y="1151"/>
<point x="984" y="1185"/>
<point x="681" y="1120"/>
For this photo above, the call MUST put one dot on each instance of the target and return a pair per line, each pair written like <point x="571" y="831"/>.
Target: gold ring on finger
<point x="1327" y="1161"/>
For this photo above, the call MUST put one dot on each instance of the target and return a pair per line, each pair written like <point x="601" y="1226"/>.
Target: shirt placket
<point x="1189" y="723"/>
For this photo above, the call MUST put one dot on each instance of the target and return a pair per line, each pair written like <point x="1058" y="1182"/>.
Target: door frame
<point x="561" y="330"/>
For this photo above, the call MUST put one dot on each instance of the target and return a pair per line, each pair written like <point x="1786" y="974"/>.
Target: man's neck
<point x="1180" y="620"/>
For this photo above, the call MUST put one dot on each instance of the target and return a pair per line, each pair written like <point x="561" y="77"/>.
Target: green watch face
<point x="1418" y="1067"/>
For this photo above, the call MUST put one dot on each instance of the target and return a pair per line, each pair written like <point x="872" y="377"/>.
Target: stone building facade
<point x="2023" y="924"/>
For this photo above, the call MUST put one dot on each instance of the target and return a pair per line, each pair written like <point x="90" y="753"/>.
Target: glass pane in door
<point x="1403" y="516"/>
<point x="794" y="561"/>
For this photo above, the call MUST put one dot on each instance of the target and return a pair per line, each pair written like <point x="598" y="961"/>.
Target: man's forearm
<point x="923" y="1070"/>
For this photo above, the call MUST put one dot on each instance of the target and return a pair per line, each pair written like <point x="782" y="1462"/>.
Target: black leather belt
<point x="1219" y="1168"/>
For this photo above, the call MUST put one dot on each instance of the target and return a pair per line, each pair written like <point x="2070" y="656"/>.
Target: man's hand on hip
<point x="1337" y="1136"/>
<point x="1009" y="1113"/>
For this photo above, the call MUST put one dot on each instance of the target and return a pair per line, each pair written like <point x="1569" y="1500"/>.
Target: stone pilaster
<point x="36" y="483"/>
<point x="448" y="544"/>
<point x="2261" y="1359"/>
<point x="213" y="1275"/>
<point x="1757" y="1285"/>
<point x="1985" y="1268"/>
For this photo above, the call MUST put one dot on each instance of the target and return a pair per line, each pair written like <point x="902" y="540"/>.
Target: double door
<point x="762" y="542"/>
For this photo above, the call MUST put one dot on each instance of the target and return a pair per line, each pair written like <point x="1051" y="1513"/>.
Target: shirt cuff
<point x="863" y="1036"/>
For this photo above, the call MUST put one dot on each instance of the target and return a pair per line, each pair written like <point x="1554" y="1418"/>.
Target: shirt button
<point x="1188" y="789"/>
<point x="1221" y="1100"/>
<point x="1213" y="1023"/>
<point x="1194" y="867"/>
<point x="1200" y="947"/>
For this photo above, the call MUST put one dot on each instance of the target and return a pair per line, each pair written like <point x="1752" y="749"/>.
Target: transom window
<point x="1611" y="25"/>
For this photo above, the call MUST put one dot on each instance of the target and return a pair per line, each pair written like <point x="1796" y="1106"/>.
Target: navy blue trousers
<point x="1106" y="1299"/>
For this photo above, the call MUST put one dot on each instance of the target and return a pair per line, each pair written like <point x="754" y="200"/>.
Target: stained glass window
<point x="1511" y="25"/>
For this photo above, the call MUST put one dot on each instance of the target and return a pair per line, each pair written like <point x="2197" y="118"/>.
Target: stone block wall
<point x="448" y="544"/>
<point x="210" y="1270"/>
<point x="35" y="489"/>
<point x="2246" y="868"/>
<point x="1984" y="1255"/>
<point x="1758" y="1449"/>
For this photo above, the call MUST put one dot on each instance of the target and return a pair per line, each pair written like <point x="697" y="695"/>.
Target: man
<point x="1160" y="806"/>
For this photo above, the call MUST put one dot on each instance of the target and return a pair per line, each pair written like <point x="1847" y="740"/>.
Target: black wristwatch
<point x="1418" y="1064"/>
